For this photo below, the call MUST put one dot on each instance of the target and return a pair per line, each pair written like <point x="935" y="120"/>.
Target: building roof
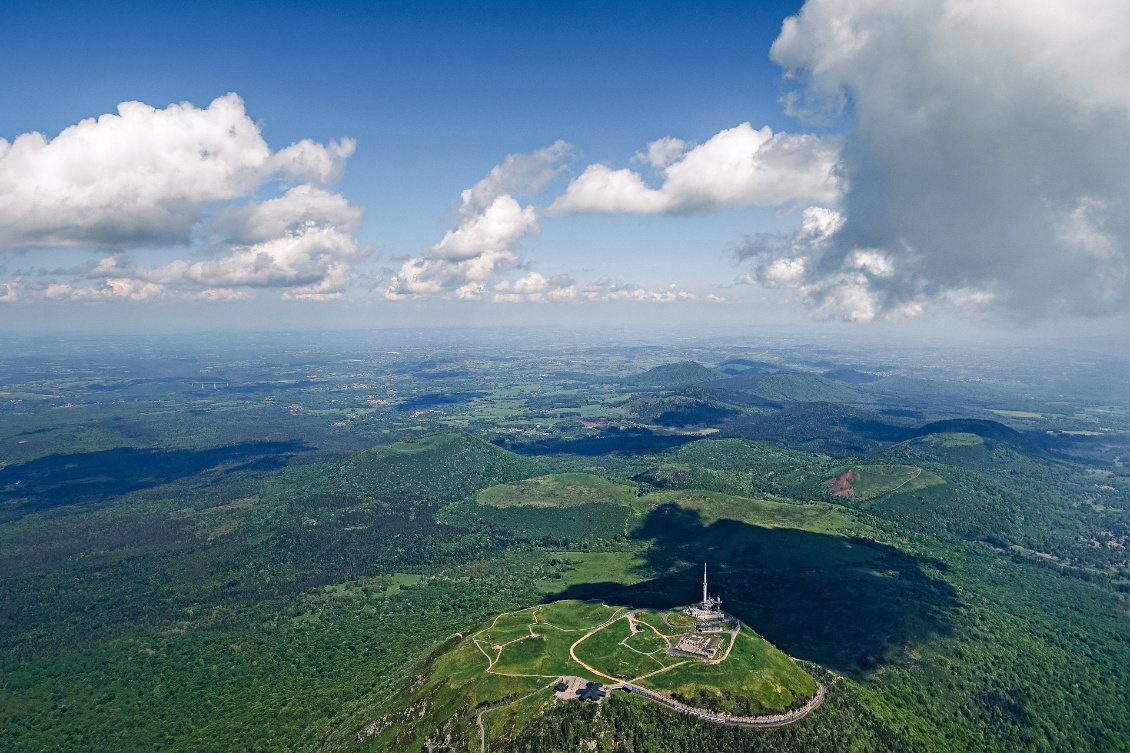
<point x="591" y="692"/>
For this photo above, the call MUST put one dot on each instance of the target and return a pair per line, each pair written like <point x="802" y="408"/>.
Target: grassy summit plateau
<point x="501" y="675"/>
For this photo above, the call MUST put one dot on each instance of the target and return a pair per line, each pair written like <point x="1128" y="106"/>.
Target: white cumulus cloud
<point x="424" y="277"/>
<point x="500" y="225"/>
<point x="491" y="224"/>
<point x="256" y="222"/>
<point x="313" y="262"/>
<point x="145" y="178"/>
<point x="142" y="176"/>
<point x="536" y="288"/>
<point x="607" y="289"/>
<point x="737" y="167"/>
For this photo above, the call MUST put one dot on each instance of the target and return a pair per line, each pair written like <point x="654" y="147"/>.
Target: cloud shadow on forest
<point x="630" y="441"/>
<point x="58" y="480"/>
<point x="851" y="605"/>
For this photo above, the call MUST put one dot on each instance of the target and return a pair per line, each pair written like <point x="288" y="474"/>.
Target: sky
<point x="881" y="163"/>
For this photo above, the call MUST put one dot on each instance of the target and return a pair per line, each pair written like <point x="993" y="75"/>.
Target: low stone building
<point x="696" y="645"/>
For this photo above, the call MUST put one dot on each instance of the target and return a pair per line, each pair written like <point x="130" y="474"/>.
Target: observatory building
<point x="708" y="612"/>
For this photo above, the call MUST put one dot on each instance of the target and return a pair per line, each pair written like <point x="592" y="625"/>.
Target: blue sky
<point x="435" y="95"/>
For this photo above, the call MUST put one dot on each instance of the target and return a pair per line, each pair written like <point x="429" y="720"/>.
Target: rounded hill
<point x="983" y="428"/>
<point x="491" y="683"/>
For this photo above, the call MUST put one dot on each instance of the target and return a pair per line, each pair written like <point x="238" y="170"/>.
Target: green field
<point x="545" y="654"/>
<point x="678" y="620"/>
<point x="506" y="628"/>
<point x="1016" y="413"/>
<point x="576" y="568"/>
<point x="647" y="641"/>
<point x="951" y="439"/>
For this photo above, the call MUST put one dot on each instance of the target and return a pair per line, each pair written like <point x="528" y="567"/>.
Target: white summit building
<point x="707" y="613"/>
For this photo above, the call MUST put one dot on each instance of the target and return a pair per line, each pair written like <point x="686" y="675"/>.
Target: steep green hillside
<point x="994" y="430"/>
<point x="434" y="468"/>
<point x="739" y="466"/>
<point x="694" y="407"/>
<point x="859" y="483"/>
<point x="559" y="490"/>
<point x="673" y="375"/>
<point x="820" y="427"/>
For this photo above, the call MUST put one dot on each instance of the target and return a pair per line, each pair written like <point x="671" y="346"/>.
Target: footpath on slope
<point x="479" y="719"/>
<point x="763" y="722"/>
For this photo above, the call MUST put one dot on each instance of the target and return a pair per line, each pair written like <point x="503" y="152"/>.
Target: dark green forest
<point x="271" y="594"/>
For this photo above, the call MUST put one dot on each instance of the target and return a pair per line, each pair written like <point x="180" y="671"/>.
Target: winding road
<point x="777" y="720"/>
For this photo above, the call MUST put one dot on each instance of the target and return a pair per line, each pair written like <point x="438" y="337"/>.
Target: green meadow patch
<point x="578" y="568"/>
<point x="576" y="615"/>
<point x="712" y="506"/>
<point x="863" y="482"/>
<point x="605" y="652"/>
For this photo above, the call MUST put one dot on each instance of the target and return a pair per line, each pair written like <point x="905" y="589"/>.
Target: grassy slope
<point x="602" y="651"/>
<point x="740" y="466"/>
<point x="506" y="628"/>
<point x="546" y="654"/>
<point x="575" y="615"/>
<point x="875" y="480"/>
<point x="712" y="507"/>
<point x="446" y="699"/>
<point x="755" y="673"/>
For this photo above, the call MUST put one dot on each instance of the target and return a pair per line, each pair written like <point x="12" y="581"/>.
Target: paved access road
<point x="778" y="720"/>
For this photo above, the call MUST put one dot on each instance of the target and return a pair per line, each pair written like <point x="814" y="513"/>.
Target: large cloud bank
<point x="988" y="162"/>
<point x="147" y="178"/>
